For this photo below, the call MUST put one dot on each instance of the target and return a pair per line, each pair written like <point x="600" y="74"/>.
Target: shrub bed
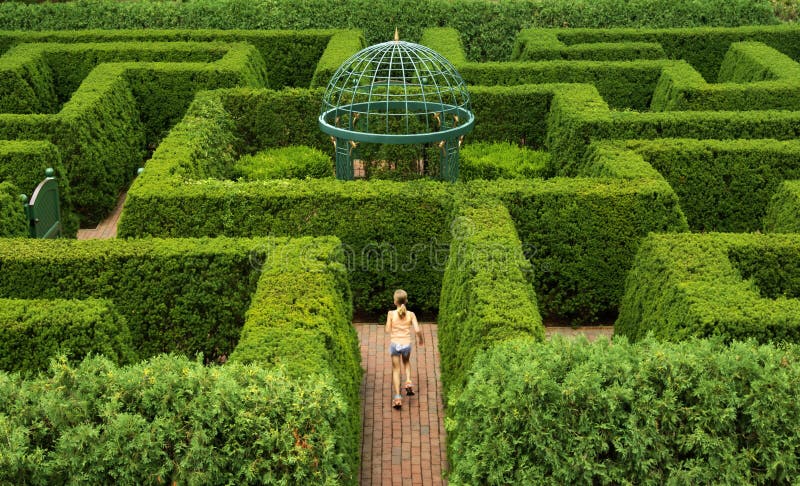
<point x="296" y="162"/>
<point x="572" y="412"/>
<point x="34" y="331"/>
<point x="735" y="286"/>
<point x="489" y="161"/>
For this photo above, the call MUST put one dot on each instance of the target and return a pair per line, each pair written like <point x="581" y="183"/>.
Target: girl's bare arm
<point x="417" y="330"/>
<point x="388" y="328"/>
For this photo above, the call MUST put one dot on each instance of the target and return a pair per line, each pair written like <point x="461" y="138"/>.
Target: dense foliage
<point x="296" y="162"/>
<point x="571" y="412"/>
<point x="13" y="222"/>
<point x="170" y="420"/>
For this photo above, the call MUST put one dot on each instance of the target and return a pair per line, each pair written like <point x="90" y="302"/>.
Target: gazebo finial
<point x="396" y="34"/>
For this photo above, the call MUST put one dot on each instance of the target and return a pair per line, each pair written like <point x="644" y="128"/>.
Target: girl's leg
<point x="396" y="374"/>
<point x="407" y="367"/>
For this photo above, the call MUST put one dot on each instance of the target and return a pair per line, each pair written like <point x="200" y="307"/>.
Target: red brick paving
<point x="406" y="446"/>
<point x="108" y="227"/>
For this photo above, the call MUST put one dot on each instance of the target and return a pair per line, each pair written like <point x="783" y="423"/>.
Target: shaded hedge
<point x="752" y="75"/>
<point x="783" y="211"/>
<point x="13" y="222"/>
<point x="571" y="412"/>
<point x="735" y="286"/>
<point x="291" y="55"/>
<point x="178" y="295"/>
<point x="34" y="331"/>
<point x="487" y="28"/>
<point x="171" y="420"/>
<point x="487" y="296"/>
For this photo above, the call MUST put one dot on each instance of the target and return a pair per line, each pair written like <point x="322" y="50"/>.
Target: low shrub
<point x="487" y="296"/>
<point x="171" y="420"/>
<point x="295" y="162"/>
<point x="572" y="412"/>
<point x="500" y="161"/>
<point x="34" y="331"/>
<point x="734" y="286"/>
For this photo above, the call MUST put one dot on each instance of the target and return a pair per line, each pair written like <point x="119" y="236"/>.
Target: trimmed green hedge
<point x="487" y="296"/>
<point x="735" y="286"/>
<point x="300" y="317"/>
<point x="174" y="421"/>
<point x="487" y="28"/>
<point x="571" y="412"/>
<point x="13" y="222"/>
<point x="500" y="161"/>
<point x="296" y="162"/>
<point x="117" y="108"/>
<point x="703" y="47"/>
<point x="723" y="185"/>
<point x="177" y="295"/>
<point x="581" y="235"/>
<point x="394" y="233"/>
<point x="541" y="45"/>
<point x="341" y="46"/>
<point x="291" y="55"/>
<point x="752" y="75"/>
<point x="33" y="331"/>
<point x="579" y="115"/>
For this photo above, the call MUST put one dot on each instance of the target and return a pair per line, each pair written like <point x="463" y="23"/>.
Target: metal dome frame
<point x="396" y="92"/>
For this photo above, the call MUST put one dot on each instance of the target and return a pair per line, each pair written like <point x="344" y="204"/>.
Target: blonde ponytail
<point x="400" y="300"/>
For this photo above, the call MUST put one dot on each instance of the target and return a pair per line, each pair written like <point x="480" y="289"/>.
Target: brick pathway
<point x="407" y="446"/>
<point x="108" y="227"/>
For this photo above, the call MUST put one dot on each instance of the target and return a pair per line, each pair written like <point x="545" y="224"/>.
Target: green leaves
<point x="567" y="412"/>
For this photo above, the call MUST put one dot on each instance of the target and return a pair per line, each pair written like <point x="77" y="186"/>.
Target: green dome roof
<point x="396" y="92"/>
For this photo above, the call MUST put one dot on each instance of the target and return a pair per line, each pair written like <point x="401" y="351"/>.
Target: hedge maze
<point x="647" y="177"/>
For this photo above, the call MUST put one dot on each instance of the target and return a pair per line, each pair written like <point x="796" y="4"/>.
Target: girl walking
<point x="398" y="325"/>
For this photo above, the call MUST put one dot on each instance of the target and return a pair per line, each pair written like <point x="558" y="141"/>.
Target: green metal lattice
<point x="396" y="92"/>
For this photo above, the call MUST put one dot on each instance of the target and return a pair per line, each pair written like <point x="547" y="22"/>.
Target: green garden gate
<point x="43" y="210"/>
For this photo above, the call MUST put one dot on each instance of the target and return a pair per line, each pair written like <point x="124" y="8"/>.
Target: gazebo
<point x="396" y="92"/>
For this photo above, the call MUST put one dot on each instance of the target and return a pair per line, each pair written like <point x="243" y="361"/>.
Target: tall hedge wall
<point x="581" y="235"/>
<point x="34" y="331"/>
<point x="703" y="47"/>
<point x="783" y="211"/>
<point x="487" y="28"/>
<point x="171" y="420"/>
<point x="177" y="295"/>
<point x="571" y="412"/>
<point x="723" y="185"/>
<point x="487" y="295"/>
<point x="300" y="318"/>
<point x="735" y="286"/>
